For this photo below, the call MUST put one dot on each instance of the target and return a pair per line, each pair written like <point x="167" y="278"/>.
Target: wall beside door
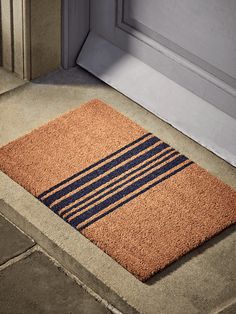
<point x="31" y="36"/>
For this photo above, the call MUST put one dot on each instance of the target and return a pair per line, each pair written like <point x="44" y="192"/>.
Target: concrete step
<point x="201" y="282"/>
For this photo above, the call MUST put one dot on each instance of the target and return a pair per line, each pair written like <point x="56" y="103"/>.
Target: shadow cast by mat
<point x="192" y="254"/>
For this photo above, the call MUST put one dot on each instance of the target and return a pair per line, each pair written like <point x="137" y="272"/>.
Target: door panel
<point x="166" y="56"/>
<point x="191" y="43"/>
<point x="203" y="28"/>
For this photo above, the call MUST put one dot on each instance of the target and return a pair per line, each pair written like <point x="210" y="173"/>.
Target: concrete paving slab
<point x="9" y="81"/>
<point x="36" y="285"/>
<point x="12" y="241"/>
<point x="197" y="283"/>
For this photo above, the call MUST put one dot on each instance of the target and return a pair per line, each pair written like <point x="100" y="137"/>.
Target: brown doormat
<point x="137" y="198"/>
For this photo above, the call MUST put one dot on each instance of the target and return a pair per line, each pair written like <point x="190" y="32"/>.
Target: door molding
<point x="173" y="51"/>
<point x="31" y="48"/>
<point x="191" y="72"/>
<point x="7" y="60"/>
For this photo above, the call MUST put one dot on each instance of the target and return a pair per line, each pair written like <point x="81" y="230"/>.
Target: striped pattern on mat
<point x="136" y="168"/>
<point x="138" y="199"/>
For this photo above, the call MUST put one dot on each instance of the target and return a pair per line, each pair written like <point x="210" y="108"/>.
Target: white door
<point x="162" y="53"/>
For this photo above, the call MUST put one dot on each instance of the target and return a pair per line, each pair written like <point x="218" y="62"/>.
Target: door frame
<point x="24" y="25"/>
<point x="30" y="48"/>
<point x="75" y="28"/>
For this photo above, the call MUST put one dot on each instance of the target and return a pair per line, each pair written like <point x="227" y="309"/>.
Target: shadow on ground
<point x="74" y="77"/>
<point x="194" y="253"/>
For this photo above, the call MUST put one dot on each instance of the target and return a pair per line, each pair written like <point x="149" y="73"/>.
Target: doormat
<point x="138" y="199"/>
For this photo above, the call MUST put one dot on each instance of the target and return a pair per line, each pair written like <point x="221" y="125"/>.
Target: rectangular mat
<point x="131" y="194"/>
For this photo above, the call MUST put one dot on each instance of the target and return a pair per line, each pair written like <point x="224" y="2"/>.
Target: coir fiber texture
<point x="137" y="198"/>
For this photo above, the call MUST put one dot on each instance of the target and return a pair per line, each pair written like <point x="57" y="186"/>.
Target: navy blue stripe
<point x="92" y="175"/>
<point x="133" y="196"/>
<point x="92" y="166"/>
<point x="123" y="183"/>
<point x="91" y="187"/>
<point x="131" y="188"/>
<point x="117" y="181"/>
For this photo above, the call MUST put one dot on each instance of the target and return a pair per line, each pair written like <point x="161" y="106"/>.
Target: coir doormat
<point x="137" y="198"/>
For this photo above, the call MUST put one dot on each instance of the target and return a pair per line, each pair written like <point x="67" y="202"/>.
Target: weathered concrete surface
<point x="200" y="282"/>
<point x="9" y="81"/>
<point x="12" y="241"/>
<point x="45" y="36"/>
<point x="35" y="285"/>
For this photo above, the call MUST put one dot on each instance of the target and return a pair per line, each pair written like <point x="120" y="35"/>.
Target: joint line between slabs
<point x="19" y="257"/>
<point x="73" y="277"/>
